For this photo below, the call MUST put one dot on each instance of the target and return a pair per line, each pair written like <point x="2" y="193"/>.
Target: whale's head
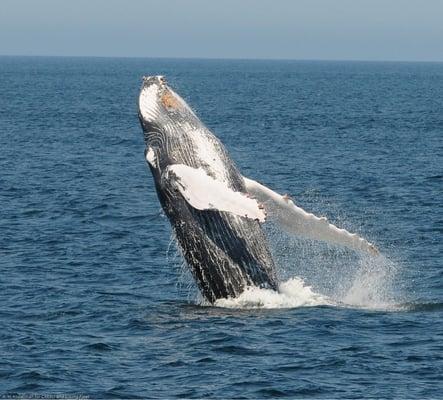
<point x="166" y="120"/>
<point x="160" y="108"/>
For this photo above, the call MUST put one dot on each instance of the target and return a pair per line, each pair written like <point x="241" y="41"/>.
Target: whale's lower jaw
<point x="225" y="253"/>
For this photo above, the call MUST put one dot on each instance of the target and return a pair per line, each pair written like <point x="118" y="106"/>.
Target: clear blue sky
<point x="305" y="29"/>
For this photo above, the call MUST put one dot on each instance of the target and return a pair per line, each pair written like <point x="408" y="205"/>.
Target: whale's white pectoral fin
<point x="296" y="220"/>
<point x="203" y="192"/>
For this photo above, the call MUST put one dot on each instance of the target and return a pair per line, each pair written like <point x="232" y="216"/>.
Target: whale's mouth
<point x="154" y="79"/>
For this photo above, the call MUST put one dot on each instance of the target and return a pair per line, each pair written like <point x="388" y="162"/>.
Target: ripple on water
<point x="98" y="347"/>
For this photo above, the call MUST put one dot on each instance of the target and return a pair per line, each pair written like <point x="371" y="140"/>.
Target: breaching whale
<point x="215" y="212"/>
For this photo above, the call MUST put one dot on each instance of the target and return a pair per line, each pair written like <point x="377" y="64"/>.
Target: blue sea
<point x="95" y="300"/>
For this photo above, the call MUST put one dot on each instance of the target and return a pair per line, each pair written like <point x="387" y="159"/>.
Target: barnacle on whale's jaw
<point x="169" y="100"/>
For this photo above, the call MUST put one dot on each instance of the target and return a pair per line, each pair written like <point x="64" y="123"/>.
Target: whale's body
<point x="208" y="202"/>
<point x="226" y="252"/>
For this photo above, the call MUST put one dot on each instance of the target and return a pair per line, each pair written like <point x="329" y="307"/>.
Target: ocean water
<point x="94" y="298"/>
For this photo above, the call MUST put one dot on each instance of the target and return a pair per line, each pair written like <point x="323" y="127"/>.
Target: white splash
<point x="373" y="285"/>
<point x="347" y="279"/>
<point x="292" y="293"/>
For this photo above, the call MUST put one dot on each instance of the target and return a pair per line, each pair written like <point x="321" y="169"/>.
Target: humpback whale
<point x="215" y="212"/>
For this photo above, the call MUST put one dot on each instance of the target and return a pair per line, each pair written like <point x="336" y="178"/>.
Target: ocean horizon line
<point x="221" y="58"/>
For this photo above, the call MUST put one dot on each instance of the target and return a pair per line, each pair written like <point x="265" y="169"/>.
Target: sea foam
<point x="371" y="287"/>
<point x="292" y="293"/>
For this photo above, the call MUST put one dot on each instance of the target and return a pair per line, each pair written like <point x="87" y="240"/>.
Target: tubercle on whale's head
<point x="157" y="101"/>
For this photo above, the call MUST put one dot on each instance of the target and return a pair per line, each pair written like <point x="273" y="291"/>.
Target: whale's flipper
<point x="203" y="192"/>
<point x="296" y="220"/>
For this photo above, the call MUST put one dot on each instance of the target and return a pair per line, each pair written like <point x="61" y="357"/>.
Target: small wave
<point x="292" y="293"/>
<point x="99" y="347"/>
<point x="432" y="306"/>
<point x="239" y="350"/>
<point x="34" y="376"/>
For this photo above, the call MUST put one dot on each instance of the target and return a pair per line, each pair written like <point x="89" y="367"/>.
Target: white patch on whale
<point x="203" y="192"/>
<point x="206" y="149"/>
<point x="148" y="105"/>
<point x="150" y="157"/>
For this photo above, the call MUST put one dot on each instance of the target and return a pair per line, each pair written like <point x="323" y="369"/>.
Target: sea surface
<point x="95" y="300"/>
